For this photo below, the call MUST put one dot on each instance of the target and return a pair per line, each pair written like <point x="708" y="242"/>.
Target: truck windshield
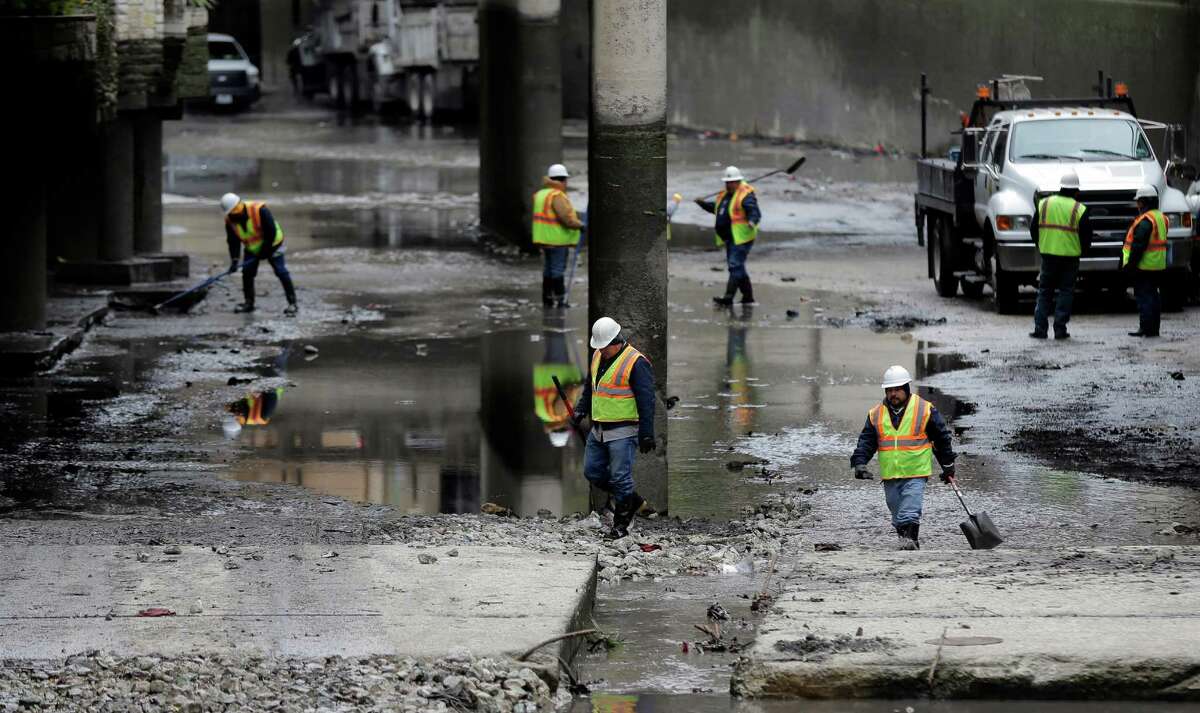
<point x="1080" y="140"/>
<point x="219" y="49"/>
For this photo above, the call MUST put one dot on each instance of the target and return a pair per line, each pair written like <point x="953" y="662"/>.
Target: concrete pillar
<point x="23" y="254"/>
<point x="116" y="155"/>
<point x="147" y="184"/>
<point x="74" y="235"/>
<point x="627" y="180"/>
<point x="520" y="112"/>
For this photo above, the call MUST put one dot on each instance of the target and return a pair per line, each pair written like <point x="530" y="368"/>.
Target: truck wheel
<point x="337" y="86"/>
<point x="973" y="290"/>
<point x="428" y="94"/>
<point x="942" y="257"/>
<point x="1174" y="294"/>
<point x="1004" y="290"/>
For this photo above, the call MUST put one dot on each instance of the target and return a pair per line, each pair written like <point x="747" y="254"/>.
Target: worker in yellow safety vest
<point x="907" y="432"/>
<point x="556" y="229"/>
<point x="1062" y="233"/>
<point x="254" y="235"/>
<point x="737" y="219"/>
<point x="619" y="398"/>
<point x="1145" y="255"/>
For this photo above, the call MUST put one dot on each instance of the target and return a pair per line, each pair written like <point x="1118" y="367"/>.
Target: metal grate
<point x="226" y="80"/>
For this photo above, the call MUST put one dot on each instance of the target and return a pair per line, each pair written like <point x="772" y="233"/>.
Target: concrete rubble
<point x="1103" y="623"/>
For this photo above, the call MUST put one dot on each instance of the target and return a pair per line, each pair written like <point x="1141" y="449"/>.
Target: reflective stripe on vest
<point x="1058" y="226"/>
<point x="904" y="451"/>
<point x="1155" y="257"/>
<point x="612" y="395"/>
<point x="743" y="231"/>
<point x="546" y="228"/>
<point x="250" y="231"/>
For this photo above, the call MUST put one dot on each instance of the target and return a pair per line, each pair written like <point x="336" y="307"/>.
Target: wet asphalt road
<point x="419" y="397"/>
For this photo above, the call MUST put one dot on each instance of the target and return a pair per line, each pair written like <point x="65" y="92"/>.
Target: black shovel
<point x="981" y="533"/>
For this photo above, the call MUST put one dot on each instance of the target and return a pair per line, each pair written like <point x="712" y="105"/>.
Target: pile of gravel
<point x="192" y="684"/>
<point x="672" y="547"/>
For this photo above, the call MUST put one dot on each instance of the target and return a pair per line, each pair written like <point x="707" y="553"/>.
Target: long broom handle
<point x="562" y="394"/>
<point x="789" y="170"/>
<point x="202" y="285"/>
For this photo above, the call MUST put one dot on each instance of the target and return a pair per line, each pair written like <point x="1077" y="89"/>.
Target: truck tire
<point x="337" y="86"/>
<point x="941" y="255"/>
<point x="428" y="94"/>
<point x="1004" y="290"/>
<point x="1174" y="294"/>
<point x="973" y="290"/>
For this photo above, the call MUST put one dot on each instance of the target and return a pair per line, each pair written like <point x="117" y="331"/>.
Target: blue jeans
<point x="1057" y="276"/>
<point x="735" y="258"/>
<point x="278" y="265"/>
<point x="1149" y="301"/>
<point x="609" y="466"/>
<point x="556" y="261"/>
<point x="904" y="496"/>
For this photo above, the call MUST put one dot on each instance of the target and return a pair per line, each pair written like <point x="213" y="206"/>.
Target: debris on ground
<point x="815" y="648"/>
<point x="736" y="465"/>
<point x="494" y="509"/>
<point x="425" y="558"/>
<point x="156" y="611"/>
<point x="227" y="682"/>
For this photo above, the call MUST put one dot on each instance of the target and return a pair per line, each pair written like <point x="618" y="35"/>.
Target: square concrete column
<point x="23" y="251"/>
<point x="116" y="155"/>
<point x="627" y="182"/>
<point x="520" y="112"/>
<point x="147" y="184"/>
<point x="73" y="227"/>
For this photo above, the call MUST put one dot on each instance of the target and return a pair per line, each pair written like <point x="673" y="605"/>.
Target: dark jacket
<point x="1085" y="229"/>
<point x="268" y="231"/>
<point x="1141" y="240"/>
<point x="641" y="379"/>
<point x="724" y="224"/>
<point x="939" y="436"/>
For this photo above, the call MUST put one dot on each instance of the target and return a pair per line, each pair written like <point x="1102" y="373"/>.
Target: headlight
<point x="1012" y="222"/>
<point x="1176" y="220"/>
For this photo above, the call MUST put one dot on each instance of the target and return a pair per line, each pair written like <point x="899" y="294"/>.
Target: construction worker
<point x="619" y="398"/>
<point x="556" y="229"/>
<point x="251" y="224"/>
<point x="907" y="432"/>
<point x="1062" y="233"/>
<point x="736" y="209"/>
<point x="1144" y="255"/>
<point x="556" y="362"/>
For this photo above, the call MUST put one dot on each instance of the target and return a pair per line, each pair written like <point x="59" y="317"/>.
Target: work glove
<point x="646" y="444"/>
<point x="699" y="202"/>
<point x="861" y="473"/>
<point x="233" y="266"/>
<point x="947" y="474"/>
<point x="577" y="418"/>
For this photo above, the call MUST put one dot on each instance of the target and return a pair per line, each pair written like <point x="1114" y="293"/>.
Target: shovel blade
<point x="970" y="531"/>
<point x="988" y="534"/>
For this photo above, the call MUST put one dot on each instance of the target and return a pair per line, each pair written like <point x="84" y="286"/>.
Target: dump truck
<point x="973" y="208"/>
<point x="385" y="51"/>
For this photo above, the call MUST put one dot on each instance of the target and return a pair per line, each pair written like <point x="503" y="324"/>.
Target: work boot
<point x="1061" y="334"/>
<point x="903" y="540"/>
<point x="547" y="291"/>
<point x="291" y="309"/>
<point x="747" y="291"/>
<point x="914" y="530"/>
<point x="730" y="290"/>
<point x="624" y="516"/>
<point x="243" y="308"/>
<point x="1037" y="334"/>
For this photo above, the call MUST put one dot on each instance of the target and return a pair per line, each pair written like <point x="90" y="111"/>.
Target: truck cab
<point x="977" y="209"/>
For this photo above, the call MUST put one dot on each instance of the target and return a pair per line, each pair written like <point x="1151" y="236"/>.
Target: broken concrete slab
<point x="304" y="601"/>
<point x="68" y="320"/>
<point x="116" y="272"/>
<point x="1091" y="623"/>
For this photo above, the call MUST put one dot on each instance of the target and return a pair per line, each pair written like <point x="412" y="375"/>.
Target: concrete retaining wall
<point x="846" y="71"/>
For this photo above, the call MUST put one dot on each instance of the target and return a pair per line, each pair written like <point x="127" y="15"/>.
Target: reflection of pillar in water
<point x="737" y="365"/>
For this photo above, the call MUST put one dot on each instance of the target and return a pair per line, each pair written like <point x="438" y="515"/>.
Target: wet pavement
<point x="413" y="379"/>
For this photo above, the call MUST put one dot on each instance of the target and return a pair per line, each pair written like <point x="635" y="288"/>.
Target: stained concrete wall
<point x="846" y="71"/>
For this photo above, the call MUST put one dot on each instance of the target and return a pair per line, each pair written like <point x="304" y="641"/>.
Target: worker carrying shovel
<point x="907" y="432"/>
<point x="737" y="218"/>
<point x="251" y="224"/>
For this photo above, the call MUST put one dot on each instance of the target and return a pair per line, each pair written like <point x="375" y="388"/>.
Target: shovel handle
<point x="562" y="394"/>
<point x="954" y="485"/>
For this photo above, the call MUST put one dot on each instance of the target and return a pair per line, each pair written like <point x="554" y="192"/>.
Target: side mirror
<point x="1183" y="171"/>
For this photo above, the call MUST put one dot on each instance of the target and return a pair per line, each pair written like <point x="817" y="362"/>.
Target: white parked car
<point x="232" y="77"/>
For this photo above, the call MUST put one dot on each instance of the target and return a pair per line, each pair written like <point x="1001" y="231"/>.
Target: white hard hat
<point x="732" y="173"/>
<point x="229" y="201"/>
<point x="557" y="171"/>
<point x="1069" y="180"/>
<point x="559" y="439"/>
<point x="896" y="375"/>
<point x="230" y="426"/>
<point x="1146" y="191"/>
<point x="604" y="331"/>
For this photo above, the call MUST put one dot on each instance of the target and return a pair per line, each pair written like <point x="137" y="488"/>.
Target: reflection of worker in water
<point x="556" y="361"/>
<point x="250" y="224"/>
<point x="257" y="408"/>
<point x="738" y="365"/>
<point x="907" y="432"/>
